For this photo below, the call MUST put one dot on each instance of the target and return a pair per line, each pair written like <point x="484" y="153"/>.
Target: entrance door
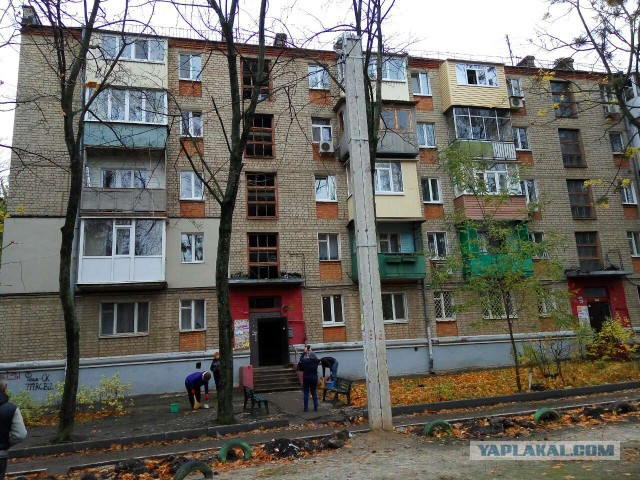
<point x="598" y="312"/>
<point x="269" y="339"/>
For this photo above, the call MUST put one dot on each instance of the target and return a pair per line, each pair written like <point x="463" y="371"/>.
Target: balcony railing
<point x="487" y="149"/>
<point x="487" y="264"/>
<point x="123" y="200"/>
<point x="395" y="266"/>
<point x="390" y="144"/>
<point x="476" y="207"/>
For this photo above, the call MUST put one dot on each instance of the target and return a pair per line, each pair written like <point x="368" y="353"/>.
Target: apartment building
<point x="147" y="232"/>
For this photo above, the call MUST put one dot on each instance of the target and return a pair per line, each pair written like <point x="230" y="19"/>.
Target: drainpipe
<point x="427" y="324"/>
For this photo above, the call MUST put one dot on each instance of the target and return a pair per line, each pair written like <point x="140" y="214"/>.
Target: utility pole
<point x="373" y="337"/>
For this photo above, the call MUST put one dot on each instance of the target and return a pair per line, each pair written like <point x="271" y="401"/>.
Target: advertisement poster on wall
<point x="241" y="334"/>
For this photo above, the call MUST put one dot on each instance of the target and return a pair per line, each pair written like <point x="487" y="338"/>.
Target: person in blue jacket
<point x="308" y="364"/>
<point x="193" y="383"/>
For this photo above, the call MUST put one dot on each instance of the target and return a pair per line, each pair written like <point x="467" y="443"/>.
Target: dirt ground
<point x="405" y="456"/>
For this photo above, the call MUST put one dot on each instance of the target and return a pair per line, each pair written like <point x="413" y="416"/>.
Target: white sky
<point x="465" y="27"/>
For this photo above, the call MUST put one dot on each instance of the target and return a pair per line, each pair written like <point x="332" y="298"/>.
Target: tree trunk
<point x="225" y="322"/>
<point x="67" y="298"/>
<point x="514" y="349"/>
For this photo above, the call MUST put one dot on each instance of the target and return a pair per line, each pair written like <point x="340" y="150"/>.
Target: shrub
<point x="30" y="409"/>
<point x="612" y="342"/>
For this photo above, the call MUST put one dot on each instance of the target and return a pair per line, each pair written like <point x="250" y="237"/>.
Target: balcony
<point x="130" y="135"/>
<point x="395" y="266"/>
<point x="476" y="207"/>
<point x="487" y="150"/>
<point x="487" y="264"/>
<point x="126" y="200"/>
<point x="397" y="144"/>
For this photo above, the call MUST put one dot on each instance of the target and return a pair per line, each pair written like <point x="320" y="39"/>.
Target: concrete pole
<point x="373" y="337"/>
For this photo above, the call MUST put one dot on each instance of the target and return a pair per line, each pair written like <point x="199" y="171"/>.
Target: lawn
<point x="489" y="383"/>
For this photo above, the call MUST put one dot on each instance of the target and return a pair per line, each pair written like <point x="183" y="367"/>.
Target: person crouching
<point x="193" y="383"/>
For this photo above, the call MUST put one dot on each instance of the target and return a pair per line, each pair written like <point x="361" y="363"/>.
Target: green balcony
<point x="395" y="266"/>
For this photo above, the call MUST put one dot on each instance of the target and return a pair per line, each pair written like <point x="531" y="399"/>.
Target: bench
<point x="341" y="386"/>
<point x="250" y="394"/>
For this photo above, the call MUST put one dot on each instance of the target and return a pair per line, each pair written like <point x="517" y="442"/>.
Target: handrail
<point x="295" y="353"/>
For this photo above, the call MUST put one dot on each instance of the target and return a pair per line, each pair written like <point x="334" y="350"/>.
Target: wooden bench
<point x="250" y="394"/>
<point x="341" y="386"/>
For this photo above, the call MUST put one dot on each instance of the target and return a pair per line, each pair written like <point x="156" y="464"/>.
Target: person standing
<point x="193" y="383"/>
<point x="309" y="365"/>
<point x="215" y="369"/>
<point x="332" y="364"/>
<point x="12" y="429"/>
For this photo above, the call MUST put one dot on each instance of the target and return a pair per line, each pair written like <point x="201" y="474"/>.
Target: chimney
<point x="529" y="62"/>
<point x="563" y="64"/>
<point x="280" y="40"/>
<point x="29" y="16"/>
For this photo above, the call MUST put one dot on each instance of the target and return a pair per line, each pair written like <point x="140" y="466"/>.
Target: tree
<point x="500" y="279"/>
<point x="63" y="44"/>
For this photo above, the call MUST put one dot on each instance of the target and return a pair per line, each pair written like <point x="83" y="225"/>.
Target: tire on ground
<point x="193" y="466"/>
<point x="622" y="406"/>
<point x="222" y="454"/>
<point x="545" y="415"/>
<point x="435" y="425"/>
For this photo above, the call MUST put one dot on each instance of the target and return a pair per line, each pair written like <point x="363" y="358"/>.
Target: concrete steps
<point x="275" y="379"/>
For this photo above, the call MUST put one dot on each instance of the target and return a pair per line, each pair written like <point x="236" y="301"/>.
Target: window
<point x="122" y="237"/>
<point x="479" y="124"/>
<point x="388" y="177"/>
<point x="529" y="190"/>
<point x="431" y="190"/>
<point x="420" y="84"/>
<point x="191" y="247"/>
<point x="497" y="178"/>
<point x="321" y="130"/>
<point x="628" y="195"/>
<point x="520" y="138"/>
<point x="514" y="87"/>
<point x="190" y="67"/>
<point x="443" y="303"/>
<point x="124" y="318"/>
<point x="260" y="141"/>
<point x="191" y="124"/>
<point x="130" y="48"/>
<point x="571" y="148"/>
<point x="397" y="119"/>
<point x="437" y="243"/>
<point x="468" y="74"/>
<point x="125" y="178"/>
<point x="580" y="200"/>
<point x="634" y="243"/>
<point x="426" y="135"/>
<point x="261" y="195"/>
<point x="393" y="69"/>
<point x="263" y="255"/>
<point x="132" y="106"/>
<point x="250" y="78"/>
<point x="588" y="251"/>
<point x="191" y="187"/>
<point x="538" y="237"/>
<point x="493" y="306"/>
<point x="393" y="307"/>
<point x="326" y="189"/>
<point x="546" y="305"/>
<point x="617" y="144"/>
<point x="389" y="243"/>
<point x="332" y="312"/>
<point x="192" y="315"/>
<point x="489" y="243"/>
<point x="262" y="303"/>
<point x="563" y="103"/>
<point x="328" y="246"/>
<point x="318" y="78"/>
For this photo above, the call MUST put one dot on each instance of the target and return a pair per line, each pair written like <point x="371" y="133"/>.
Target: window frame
<point x="112" y="239"/>
<point x="193" y="236"/>
<point x="189" y="123"/>
<point x="181" y="308"/>
<point x="489" y="314"/>
<point x="194" y="179"/>
<point x="254" y="143"/>
<point x="634" y="243"/>
<point x="333" y="310"/>
<point x="192" y="68"/>
<point x="248" y="75"/>
<point x="517" y="138"/>
<point x="91" y="114"/>
<point x="515" y="92"/>
<point x="256" y="188"/>
<point x="259" y="249"/>
<point x="422" y="126"/>
<point x="567" y="106"/>
<point x="436" y="254"/>
<point x="321" y="128"/>
<point x="313" y="72"/>
<point x="130" y="42"/>
<point x="331" y="188"/>
<point x="372" y="68"/>
<point x="546" y="306"/>
<point x="387" y="237"/>
<point x="574" y="141"/>
<point x="476" y="68"/>
<point x="529" y="188"/>
<point x="395" y="318"/>
<point x="613" y="150"/>
<point x="430" y="181"/>
<point x="136" y="320"/>
<point x="422" y="90"/>
<point x="396" y="127"/>
<point x="596" y="245"/>
<point x="538" y="237"/>
<point x="626" y="192"/>
<point x="584" y="193"/>
<point x="135" y="174"/>
<point x="440" y="302"/>
<point x="328" y="243"/>
<point x="377" y="182"/>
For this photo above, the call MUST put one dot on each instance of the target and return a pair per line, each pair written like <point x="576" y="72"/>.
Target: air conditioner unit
<point x="516" y="102"/>
<point x="326" y="147"/>
<point x="611" y="109"/>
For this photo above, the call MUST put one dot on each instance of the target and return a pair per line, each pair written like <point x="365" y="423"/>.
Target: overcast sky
<point x="462" y="27"/>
